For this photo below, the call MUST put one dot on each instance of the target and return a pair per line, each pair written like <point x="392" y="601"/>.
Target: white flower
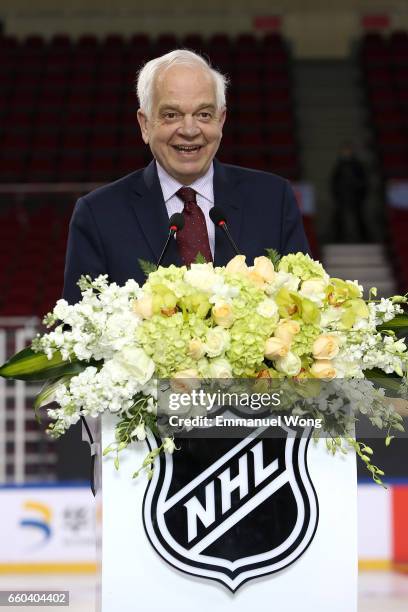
<point x="315" y="289"/>
<point x="135" y="361"/>
<point x="217" y="341"/>
<point x="219" y="368"/>
<point x="345" y="368"/>
<point x="202" y="277"/>
<point x="268" y="309"/>
<point x="139" y="432"/>
<point x="331" y="316"/>
<point x="168" y="445"/>
<point x="282" y="279"/>
<point x="290" y="364"/>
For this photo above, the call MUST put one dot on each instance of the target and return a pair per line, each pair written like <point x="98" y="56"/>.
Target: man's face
<point x="184" y="129"/>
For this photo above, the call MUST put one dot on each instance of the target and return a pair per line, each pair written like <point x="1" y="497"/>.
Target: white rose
<point x="289" y="365"/>
<point x="217" y="341"/>
<point x="135" y="361"/>
<point x="196" y="348"/>
<point x="283" y="279"/>
<point x="275" y="348"/>
<point x="264" y="268"/>
<point x="237" y="265"/>
<point x="330" y="316"/>
<point x="220" y="368"/>
<point x="314" y="289"/>
<point x="268" y="309"/>
<point x="201" y="277"/>
<point x="222" y="314"/>
<point x="143" y="307"/>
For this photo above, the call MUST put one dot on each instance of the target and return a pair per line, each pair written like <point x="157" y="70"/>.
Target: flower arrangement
<point x="280" y="318"/>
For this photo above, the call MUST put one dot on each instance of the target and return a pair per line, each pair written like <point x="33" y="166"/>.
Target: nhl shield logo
<point x="232" y="510"/>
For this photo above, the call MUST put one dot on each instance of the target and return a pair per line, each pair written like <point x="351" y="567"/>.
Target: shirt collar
<point x="203" y="185"/>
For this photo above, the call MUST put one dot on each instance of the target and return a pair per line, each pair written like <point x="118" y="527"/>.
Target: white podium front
<point x="136" y="572"/>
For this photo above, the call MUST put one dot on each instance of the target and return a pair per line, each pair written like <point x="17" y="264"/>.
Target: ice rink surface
<point x="378" y="592"/>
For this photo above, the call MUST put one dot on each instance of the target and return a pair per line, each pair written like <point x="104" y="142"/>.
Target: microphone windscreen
<point x="177" y="220"/>
<point x="217" y="215"/>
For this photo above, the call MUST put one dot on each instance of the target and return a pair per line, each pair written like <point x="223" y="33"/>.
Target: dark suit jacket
<point x="118" y="223"/>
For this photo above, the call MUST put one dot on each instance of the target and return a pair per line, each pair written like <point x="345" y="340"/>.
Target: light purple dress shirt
<point x="205" y="197"/>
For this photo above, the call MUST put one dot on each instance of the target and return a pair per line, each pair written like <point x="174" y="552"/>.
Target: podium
<point x="309" y="564"/>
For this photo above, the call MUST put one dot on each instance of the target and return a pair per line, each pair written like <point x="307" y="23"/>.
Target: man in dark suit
<point x="181" y="116"/>
<point x="182" y="112"/>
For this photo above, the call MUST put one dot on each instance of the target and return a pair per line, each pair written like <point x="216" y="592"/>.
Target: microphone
<point x="217" y="216"/>
<point x="176" y="223"/>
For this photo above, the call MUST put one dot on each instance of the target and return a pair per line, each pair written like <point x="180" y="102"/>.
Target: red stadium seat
<point x="195" y="42"/>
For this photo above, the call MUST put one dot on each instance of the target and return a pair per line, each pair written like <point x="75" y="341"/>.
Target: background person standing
<point x="349" y="186"/>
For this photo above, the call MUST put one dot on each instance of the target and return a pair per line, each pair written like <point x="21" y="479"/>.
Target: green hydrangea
<point x="303" y="341"/>
<point x="248" y="337"/>
<point x="248" y="298"/>
<point x="171" y="277"/>
<point x="301" y="265"/>
<point x="165" y="340"/>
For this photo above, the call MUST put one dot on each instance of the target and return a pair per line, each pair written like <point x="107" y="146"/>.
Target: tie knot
<point x="188" y="195"/>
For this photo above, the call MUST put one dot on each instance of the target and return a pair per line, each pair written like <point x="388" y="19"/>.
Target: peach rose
<point x="237" y="265"/>
<point x="275" y="348"/>
<point x="143" y="307"/>
<point x="196" y="348"/>
<point x="263" y="267"/>
<point x="287" y="329"/>
<point x="184" y="381"/>
<point x="323" y="368"/>
<point x="325" y="347"/>
<point x="223" y="315"/>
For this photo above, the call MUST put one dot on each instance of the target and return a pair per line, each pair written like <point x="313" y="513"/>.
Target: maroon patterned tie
<point x="193" y="238"/>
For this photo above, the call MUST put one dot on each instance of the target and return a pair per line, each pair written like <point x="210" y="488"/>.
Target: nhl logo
<point x="232" y="510"/>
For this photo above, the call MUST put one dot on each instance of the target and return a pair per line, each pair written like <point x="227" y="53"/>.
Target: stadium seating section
<point x="385" y="64"/>
<point x="398" y="232"/>
<point x="69" y="108"/>
<point x="68" y="111"/>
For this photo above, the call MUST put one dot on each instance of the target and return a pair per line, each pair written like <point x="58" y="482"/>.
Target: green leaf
<point x="389" y="382"/>
<point x="200" y="259"/>
<point x="46" y="395"/>
<point x="31" y="366"/>
<point x="274" y="256"/>
<point x="399" y="324"/>
<point x="147" y="266"/>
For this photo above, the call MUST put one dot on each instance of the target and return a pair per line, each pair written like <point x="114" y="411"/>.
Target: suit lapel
<point x="151" y="212"/>
<point x="228" y="197"/>
<point x="150" y="209"/>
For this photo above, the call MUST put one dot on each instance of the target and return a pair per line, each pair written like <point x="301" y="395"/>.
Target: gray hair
<point x="147" y="75"/>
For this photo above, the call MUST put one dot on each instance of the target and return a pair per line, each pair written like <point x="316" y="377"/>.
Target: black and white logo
<point x="232" y="510"/>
